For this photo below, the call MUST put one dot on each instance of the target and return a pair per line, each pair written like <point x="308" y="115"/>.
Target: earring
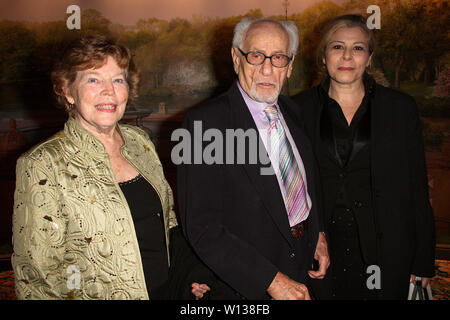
<point x="71" y="106"/>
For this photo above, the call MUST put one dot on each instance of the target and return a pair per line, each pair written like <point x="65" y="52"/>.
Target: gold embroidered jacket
<point x="73" y="233"/>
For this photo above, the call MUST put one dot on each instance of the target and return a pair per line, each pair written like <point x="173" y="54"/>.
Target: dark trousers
<point x="348" y="271"/>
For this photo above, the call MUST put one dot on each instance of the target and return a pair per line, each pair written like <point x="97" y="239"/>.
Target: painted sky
<point x="127" y="12"/>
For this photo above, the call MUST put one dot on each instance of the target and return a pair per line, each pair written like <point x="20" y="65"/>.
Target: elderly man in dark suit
<point x="259" y="232"/>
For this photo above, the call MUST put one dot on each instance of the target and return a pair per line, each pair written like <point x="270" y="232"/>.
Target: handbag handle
<point x="423" y="294"/>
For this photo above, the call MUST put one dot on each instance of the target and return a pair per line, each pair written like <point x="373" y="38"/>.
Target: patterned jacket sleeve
<point x="38" y="232"/>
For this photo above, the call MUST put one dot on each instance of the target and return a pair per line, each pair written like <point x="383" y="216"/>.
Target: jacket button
<point x="358" y="204"/>
<point x="292" y="255"/>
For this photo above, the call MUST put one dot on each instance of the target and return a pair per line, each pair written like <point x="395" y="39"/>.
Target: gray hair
<point x="242" y="27"/>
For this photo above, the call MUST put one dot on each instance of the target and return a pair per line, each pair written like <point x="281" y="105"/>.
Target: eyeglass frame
<point x="265" y="57"/>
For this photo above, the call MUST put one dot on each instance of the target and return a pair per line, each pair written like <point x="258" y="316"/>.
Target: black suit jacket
<point x="233" y="216"/>
<point x="403" y="215"/>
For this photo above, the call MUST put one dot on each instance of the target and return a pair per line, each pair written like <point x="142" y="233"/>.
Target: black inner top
<point x="344" y="133"/>
<point x="146" y="210"/>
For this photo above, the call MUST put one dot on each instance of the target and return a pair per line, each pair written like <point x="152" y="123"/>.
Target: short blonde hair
<point x="345" y="21"/>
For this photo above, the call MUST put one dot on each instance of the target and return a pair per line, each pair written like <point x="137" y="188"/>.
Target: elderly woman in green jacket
<point x="92" y="208"/>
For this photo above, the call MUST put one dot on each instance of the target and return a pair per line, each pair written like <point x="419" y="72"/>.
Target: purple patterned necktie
<point x="294" y="187"/>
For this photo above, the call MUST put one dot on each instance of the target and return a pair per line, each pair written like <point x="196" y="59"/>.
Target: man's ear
<point x="289" y="71"/>
<point x="236" y="59"/>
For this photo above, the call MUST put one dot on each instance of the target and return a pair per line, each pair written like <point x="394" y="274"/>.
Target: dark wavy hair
<point x="91" y="52"/>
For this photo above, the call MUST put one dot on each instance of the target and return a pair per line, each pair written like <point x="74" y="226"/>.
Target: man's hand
<point x="322" y="256"/>
<point x="425" y="281"/>
<point x="198" y="290"/>
<point x="284" y="288"/>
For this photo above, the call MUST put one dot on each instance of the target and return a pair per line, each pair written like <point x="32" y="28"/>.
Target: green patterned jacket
<point x="73" y="233"/>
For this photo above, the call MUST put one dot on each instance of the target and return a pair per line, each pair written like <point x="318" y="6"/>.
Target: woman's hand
<point x="322" y="256"/>
<point x="424" y="280"/>
<point x="198" y="290"/>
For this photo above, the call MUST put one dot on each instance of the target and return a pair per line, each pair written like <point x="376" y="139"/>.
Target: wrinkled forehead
<point x="266" y="34"/>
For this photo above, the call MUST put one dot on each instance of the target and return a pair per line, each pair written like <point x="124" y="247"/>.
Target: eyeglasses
<point x="256" y="58"/>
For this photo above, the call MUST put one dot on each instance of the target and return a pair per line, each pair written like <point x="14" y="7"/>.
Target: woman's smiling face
<point x="100" y="96"/>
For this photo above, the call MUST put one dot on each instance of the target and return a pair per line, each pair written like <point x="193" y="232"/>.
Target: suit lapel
<point x="362" y="134"/>
<point x="266" y="185"/>
<point x="363" y="131"/>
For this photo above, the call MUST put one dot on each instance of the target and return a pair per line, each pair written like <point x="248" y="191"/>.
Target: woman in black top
<point x="180" y="281"/>
<point x="368" y="143"/>
<point x="77" y="239"/>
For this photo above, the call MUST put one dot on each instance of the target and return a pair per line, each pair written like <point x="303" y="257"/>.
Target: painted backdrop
<point x="183" y="51"/>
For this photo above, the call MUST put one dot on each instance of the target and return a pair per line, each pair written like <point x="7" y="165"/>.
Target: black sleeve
<point x="186" y="268"/>
<point x="423" y="263"/>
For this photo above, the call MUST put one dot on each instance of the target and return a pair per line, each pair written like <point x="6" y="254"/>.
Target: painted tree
<point x="92" y="22"/>
<point x="310" y="24"/>
<point x="442" y="88"/>
<point x="17" y="45"/>
<point x="413" y="36"/>
<point x="433" y="36"/>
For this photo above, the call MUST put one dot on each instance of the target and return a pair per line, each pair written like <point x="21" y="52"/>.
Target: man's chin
<point x="267" y="97"/>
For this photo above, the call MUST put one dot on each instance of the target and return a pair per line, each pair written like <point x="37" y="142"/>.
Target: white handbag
<point x="416" y="292"/>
